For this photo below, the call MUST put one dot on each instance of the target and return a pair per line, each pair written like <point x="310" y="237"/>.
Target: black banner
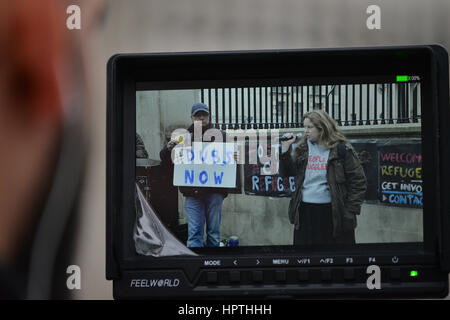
<point x="393" y="171"/>
<point x="258" y="180"/>
<point x="368" y="156"/>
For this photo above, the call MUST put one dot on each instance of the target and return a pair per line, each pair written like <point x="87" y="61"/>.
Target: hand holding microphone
<point x="172" y="143"/>
<point x="288" y="139"/>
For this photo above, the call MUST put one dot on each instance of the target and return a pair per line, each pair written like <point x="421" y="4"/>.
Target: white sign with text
<point x="205" y="165"/>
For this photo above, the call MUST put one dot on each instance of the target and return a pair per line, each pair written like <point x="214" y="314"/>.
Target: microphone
<point x="298" y="136"/>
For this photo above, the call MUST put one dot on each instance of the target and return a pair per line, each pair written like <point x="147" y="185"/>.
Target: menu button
<point x="280" y="261"/>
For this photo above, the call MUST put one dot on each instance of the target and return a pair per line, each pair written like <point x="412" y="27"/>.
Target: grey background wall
<point x="193" y="25"/>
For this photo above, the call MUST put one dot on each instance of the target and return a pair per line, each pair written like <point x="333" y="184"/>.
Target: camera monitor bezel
<point x="128" y="73"/>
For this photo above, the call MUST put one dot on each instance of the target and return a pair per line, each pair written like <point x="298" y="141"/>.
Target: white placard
<point x="205" y="165"/>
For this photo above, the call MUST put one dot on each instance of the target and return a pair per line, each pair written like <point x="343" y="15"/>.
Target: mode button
<point x="211" y="277"/>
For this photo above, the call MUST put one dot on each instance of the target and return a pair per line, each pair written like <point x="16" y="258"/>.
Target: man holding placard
<point x="203" y="170"/>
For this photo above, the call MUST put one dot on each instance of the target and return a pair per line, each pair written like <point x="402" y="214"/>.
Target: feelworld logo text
<point x="154" y="283"/>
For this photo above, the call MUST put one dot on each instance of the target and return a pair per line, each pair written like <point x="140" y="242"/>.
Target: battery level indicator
<point x="402" y="78"/>
<point x="407" y="78"/>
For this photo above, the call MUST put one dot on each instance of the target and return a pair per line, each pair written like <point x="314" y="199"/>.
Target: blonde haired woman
<point x="330" y="182"/>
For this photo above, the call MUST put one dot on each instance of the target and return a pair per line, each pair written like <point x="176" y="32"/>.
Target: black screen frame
<point x="127" y="70"/>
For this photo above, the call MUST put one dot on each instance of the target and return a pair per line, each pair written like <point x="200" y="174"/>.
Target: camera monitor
<point x="279" y="173"/>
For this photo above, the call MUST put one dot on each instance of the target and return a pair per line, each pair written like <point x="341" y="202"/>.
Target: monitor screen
<point x="280" y="163"/>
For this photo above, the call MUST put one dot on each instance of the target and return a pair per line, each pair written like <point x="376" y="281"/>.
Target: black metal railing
<point x="284" y="106"/>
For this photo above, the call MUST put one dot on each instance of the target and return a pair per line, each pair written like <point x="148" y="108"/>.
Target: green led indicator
<point x="414" y="273"/>
<point x="402" y="78"/>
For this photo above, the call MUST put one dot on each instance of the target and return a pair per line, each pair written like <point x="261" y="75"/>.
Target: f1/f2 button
<point x="303" y="275"/>
<point x="326" y="275"/>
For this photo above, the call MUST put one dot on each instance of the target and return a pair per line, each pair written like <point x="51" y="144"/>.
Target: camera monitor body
<point x="199" y="201"/>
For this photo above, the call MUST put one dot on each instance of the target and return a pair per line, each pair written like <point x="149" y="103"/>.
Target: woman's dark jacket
<point x="166" y="160"/>
<point x="346" y="181"/>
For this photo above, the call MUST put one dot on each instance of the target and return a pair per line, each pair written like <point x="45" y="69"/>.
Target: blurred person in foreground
<point x="42" y="147"/>
<point x="330" y="183"/>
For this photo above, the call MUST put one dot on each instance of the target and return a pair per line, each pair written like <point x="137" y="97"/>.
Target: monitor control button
<point x="280" y="276"/>
<point x="303" y="275"/>
<point x="257" y="276"/>
<point x="211" y="277"/>
<point x="395" y="274"/>
<point x="349" y="274"/>
<point x="326" y="275"/>
<point x="235" y="276"/>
